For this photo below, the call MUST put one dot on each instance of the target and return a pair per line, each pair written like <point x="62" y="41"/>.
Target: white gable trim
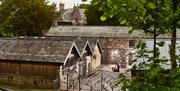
<point x="69" y="53"/>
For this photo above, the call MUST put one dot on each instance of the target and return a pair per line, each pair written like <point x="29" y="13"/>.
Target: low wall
<point x="24" y="81"/>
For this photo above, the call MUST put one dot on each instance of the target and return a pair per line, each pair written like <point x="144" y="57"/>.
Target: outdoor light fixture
<point x="116" y="52"/>
<point x="133" y="51"/>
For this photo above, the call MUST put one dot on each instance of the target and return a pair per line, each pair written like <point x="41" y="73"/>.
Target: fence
<point x="100" y="81"/>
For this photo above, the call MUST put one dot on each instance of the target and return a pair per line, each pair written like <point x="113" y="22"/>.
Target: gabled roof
<point x="68" y="14"/>
<point x="87" y="45"/>
<point x="79" y="41"/>
<point x="34" y="49"/>
<point x="76" y="14"/>
<point x="93" y="42"/>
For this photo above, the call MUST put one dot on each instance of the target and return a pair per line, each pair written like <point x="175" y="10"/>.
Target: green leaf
<point x="151" y="5"/>
<point x="167" y="18"/>
<point x="123" y="22"/>
<point x="179" y="22"/>
<point x="162" y="31"/>
<point x="100" y="8"/>
<point x="95" y="3"/>
<point x="103" y="18"/>
<point x="124" y="4"/>
<point x="161" y="43"/>
<point x="111" y="15"/>
<point x="142" y="1"/>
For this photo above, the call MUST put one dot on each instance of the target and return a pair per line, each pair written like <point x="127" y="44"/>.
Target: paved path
<point x="105" y="76"/>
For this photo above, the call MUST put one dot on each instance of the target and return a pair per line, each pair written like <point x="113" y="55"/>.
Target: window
<point x="94" y="56"/>
<point x="131" y="43"/>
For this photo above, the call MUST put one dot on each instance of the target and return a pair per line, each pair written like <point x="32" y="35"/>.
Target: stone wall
<point x="26" y="81"/>
<point x="96" y="59"/>
<point x="110" y="44"/>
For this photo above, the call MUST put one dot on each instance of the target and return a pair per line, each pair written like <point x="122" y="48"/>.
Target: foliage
<point x="83" y="6"/>
<point x="93" y="16"/>
<point x="140" y="14"/>
<point x="154" y="17"/>
<point x="25" y="17"/>
<point x="150" y="77"/>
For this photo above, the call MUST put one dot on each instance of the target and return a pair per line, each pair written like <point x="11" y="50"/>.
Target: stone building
<point x="96" y="52"/>
<point x="90" y="50"/>
<point x="115" y="41"/>
<point x="36" y="62"/>
<point x="72" y="16"/>
<point x="86" y="53"/>
<point x="65" y="52"/>
<point x="110" y="38"/>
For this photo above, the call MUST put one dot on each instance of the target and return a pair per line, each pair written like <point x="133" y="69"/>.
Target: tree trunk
<point x="173" y="38"/>
<point x="154" y="48"/>
<point x="173" y="48"/>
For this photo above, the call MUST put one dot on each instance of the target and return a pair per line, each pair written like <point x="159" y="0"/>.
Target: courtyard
<point x="103" y="79"/>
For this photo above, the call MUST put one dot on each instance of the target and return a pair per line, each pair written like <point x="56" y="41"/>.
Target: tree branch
<point x="143" y="28"/>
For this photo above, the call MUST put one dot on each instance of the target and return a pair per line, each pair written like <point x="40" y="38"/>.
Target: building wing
<point x="37" y="50"/>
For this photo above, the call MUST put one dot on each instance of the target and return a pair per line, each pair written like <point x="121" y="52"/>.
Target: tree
<point x="83" y="6"/>
<point x="175" y="5"/>
<point x="145" y="15"/>
<point x="93" y="16"/>
<point x="154" y="17"/>
<point x="25" y="17"/>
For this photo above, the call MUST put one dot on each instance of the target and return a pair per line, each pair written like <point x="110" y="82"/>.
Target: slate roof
<point x="67" y="15"/>
<point x="79" y="41"/>
<point x="93" y="42"/>
<point x="98" y="31"/>
<point x="32" y="49"/>
<point x="76" y="14"/>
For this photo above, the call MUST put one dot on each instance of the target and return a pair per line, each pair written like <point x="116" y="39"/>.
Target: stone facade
<point x="96" y="59"/>
<point x="110" y="44"/>
<point x="111" y="38"/>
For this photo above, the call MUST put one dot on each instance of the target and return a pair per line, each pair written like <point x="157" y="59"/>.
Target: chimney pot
<point x="61" y="7"/>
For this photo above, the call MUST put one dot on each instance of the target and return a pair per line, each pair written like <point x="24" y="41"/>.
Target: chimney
<point x="76" y="8"/>
<point x="61" y="7"/>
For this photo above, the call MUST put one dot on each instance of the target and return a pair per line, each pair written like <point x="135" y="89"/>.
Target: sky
<point x="68" y="3"/>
